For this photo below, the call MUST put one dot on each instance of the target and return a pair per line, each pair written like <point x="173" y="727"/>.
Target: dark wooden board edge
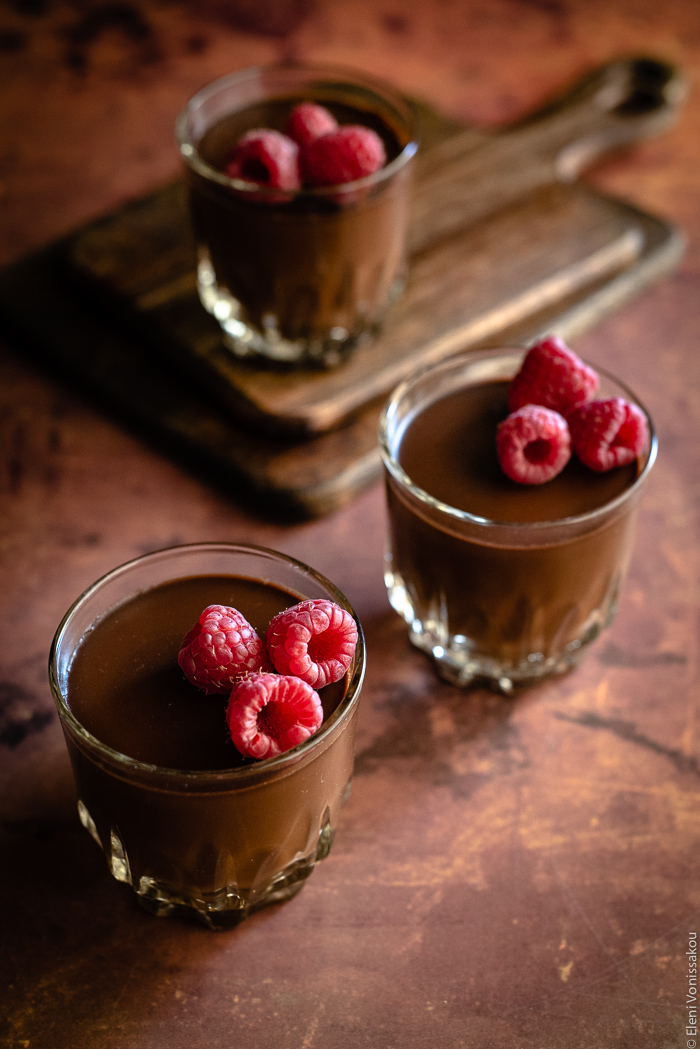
<point x="306" y="403"/>
<point x="139" y="259"/>
<point x="282" y="480"/>
<point x="76" y="343"/>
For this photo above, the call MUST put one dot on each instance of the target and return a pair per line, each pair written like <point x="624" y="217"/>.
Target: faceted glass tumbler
<point x="297" y="277"/>
<point x="507" y="602"/>
<point x="214" y="844"/>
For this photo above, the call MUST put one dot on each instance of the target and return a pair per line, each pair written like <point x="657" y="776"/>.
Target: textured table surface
<point x="508" y="873"/>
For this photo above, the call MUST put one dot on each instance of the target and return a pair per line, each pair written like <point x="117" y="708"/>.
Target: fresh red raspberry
<point x="270" y="713"/>
<point x="315" y="640"/>
<point x="552" y="375"/>
<point x="308" y="121"/>
<point x="533" y="444"/>
<point x="266" y="157"/>
<point x="344" y="155"/>
<point x="608" y="433"/>
<point x="220" y="647"/>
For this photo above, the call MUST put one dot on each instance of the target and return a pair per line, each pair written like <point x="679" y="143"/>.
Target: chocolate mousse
<point x="221" y="833"/>
<point x="126" y="688"/>
<point x="514" y="598"/>
<point x="311" y="265"/>
<point x="449" y="450"/>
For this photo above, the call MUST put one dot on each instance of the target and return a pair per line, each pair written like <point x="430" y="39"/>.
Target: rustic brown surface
<point x="508" y="873"/>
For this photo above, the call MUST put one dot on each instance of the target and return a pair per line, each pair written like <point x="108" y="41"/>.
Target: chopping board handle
<point x="621" y="102"/>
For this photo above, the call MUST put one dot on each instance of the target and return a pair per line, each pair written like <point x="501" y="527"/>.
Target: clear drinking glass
<point x="509" y="602"/>
<point x="216" y="844"/>
<point x="296" y="277"/>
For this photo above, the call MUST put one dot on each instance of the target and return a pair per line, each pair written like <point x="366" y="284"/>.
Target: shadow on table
<point x="422" y="726"/>
<point x="80" y="960"/>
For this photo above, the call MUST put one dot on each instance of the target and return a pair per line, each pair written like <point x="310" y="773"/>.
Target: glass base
<point x="247" y="342"/>
<point x="223" y="909"/>
<point x="227" y="905"/>
<point x="457" y="659"/>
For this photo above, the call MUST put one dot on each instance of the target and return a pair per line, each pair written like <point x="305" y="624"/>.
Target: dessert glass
<point x="214" y="844"/>
<point x="297" y="277"/>
<point x="509" y="602"/>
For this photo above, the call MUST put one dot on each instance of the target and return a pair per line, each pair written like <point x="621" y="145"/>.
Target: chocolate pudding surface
<point x="449" y="450"/>
<point x="126" y="689"/>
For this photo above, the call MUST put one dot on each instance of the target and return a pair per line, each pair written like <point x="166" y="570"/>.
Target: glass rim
<point x="192" y="158"/>
<point x="487" y="523"/>
<point x="237" y="774"/>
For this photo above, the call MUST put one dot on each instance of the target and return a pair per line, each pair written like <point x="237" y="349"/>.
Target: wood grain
<point x="495" y="238"/>
<point x="524" y="253"/>
<point x="120" y="366"/>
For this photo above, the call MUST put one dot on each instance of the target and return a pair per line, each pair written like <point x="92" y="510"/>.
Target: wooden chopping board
<point x="504" y="245"/>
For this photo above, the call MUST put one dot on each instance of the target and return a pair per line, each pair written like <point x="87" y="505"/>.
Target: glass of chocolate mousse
<point x="190" y="823"/>
<point x="498" y="580"/>
<point x="296" y="274"/>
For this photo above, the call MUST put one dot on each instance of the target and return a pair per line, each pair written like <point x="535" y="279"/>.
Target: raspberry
<point x="608" y="433"/>
<point x="309" y="121"/>
<point x="266" y="157"/>
<point x="552" y="375"/>
<point x="315" y="640"/>
<point x="220" y="647"/>
<point x="533" y="444"/>
<point x="270" y="713"/>
<point x="344" y="155"/>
